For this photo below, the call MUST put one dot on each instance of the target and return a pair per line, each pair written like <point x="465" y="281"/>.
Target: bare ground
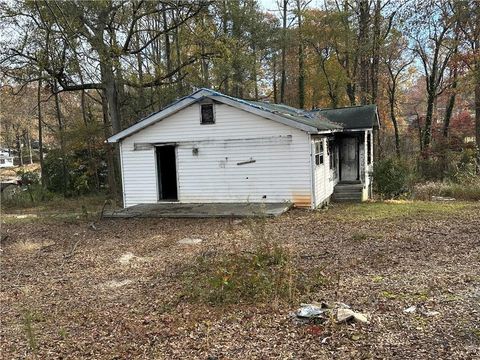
<point x="71" y="291"/>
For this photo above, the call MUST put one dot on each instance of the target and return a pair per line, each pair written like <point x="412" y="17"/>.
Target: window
<point x="2" y="161"/>
<point x="333" y="154"/>
<point x="207" y="114"/>
<point x="319" y="152"/>
<point x="369" y="148"/>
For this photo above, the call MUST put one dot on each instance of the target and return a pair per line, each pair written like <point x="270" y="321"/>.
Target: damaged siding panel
<point x="139" y="176"/>
<point x="275" y="157"/>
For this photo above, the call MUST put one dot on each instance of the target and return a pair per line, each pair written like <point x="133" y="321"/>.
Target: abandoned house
<point x="212" y="148"/>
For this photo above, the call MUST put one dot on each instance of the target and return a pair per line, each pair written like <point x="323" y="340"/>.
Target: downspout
<point x="312" y="172"/>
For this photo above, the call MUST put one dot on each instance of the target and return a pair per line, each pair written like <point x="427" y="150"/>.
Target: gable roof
<point x="353" y="117"/>
<point x="302" y="120"/>
<point x="309" y="121"/>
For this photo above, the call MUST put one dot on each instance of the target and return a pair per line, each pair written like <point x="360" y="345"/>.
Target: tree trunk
<point x="427" y="130"/>
<point x="375" y="51"/>
<point x="301" y="60"/>
<point x="275" y="90"/>
<point x="29" y="146"/>
<point x="363" y="38"/>
<point x="283" y="77"/>
<point x="450" y="105"/>
<point x="19" y="149"/>
<point x="111" y="97"/>
<point x="477" y="114"/>
<point x="109" y="150"/>
<point x="40" y="133"/>
<point x="395" y="124"/>
<point x="179" y="61"/>
<point x="167" y="40"/>
<point x="58" y="111"/>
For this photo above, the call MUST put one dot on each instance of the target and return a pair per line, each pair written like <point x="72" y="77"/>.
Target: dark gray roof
<point x="316" y="120"/>
<point x="354" y="117"/>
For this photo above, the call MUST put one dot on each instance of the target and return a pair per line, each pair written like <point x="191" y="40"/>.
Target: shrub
<point x="466" y="190"/>
<point x="80" y="176"/>
<point x="264" y="274"/>
<point x="391" y="178"/>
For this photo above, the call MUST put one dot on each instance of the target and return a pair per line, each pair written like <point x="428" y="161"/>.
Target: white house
<point x="6" y="160"/>
<point x="212" y="148"/>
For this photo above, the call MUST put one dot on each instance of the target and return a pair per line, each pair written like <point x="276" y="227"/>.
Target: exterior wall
<point x="325" y="178"/>
<point x="278" y="155"/>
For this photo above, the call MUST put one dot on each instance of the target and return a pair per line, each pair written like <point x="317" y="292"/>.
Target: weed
<point x="28" y="319"/>
<point x="388" y="295"/>
<point x="265" y="273"/>
<point x="359" y="237"/>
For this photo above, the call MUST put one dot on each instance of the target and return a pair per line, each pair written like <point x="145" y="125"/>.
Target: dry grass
<point x="380" y="258"/>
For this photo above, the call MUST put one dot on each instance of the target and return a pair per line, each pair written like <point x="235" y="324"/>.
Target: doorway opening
<point x="349" y="160"/>
<point x="166" y="173"/>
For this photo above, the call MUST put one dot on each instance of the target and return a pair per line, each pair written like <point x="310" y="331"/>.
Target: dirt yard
<point x="115" y="289"/>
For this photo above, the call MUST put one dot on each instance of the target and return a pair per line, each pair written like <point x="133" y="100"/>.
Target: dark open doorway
<point x="167" y="172"/>
<point x="349" y="159"/>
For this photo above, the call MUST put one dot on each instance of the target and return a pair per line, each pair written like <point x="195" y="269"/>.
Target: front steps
<point x="348" y="192"/>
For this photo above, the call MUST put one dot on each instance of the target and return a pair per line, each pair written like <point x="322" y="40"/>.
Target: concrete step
<point x="347" y="191"/>
<point x="347" y="200"/>
<point x="347" y="197"/>
<point x="349" y="187"/>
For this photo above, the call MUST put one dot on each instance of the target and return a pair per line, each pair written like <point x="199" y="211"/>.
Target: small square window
<point x="207" y="114"/>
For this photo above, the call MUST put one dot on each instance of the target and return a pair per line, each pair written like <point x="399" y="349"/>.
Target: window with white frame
<point x="319" y="152"/>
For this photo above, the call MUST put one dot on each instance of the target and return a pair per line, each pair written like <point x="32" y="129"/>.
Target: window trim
<point x="319" y="153"/>
<point x="213" y="113"/>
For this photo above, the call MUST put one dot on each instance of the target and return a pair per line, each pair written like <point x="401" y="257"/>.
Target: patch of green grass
<point x="59" y="208"/>
<point x="397" y="209"/>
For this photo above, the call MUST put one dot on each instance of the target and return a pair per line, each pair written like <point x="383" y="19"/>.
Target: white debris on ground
<point x="126" y="258"/>
<point x="442" y="198"/>
<point x="114" y="284"/>
<point x="129" y="258"/>
<point x="410" y="309"/>
<point x="324" y="312"/>
<point x="425" y="312"/>
<point x="190" y="241"/>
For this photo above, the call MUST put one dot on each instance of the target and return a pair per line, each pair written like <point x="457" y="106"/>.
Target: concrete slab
<point x="183" y="210"/>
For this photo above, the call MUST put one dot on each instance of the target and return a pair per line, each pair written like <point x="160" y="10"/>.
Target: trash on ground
<point x="410" y="309"/>
<point x="323" y="311"/>
<point x="442" y="198"/>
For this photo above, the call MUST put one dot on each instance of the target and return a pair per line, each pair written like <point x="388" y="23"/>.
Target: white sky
<point x="272" y="4"/>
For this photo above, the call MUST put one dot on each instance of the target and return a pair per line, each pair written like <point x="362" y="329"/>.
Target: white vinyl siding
<point x="274" y="159"/>
<point x="324" y="177"/>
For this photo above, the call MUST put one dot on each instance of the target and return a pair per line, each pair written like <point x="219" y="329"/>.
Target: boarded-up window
<point x="319" y="152"/>
<point x="207" y="114"/>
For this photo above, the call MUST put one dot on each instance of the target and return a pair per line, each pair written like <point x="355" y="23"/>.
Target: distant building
<point x="6" y="159"/>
